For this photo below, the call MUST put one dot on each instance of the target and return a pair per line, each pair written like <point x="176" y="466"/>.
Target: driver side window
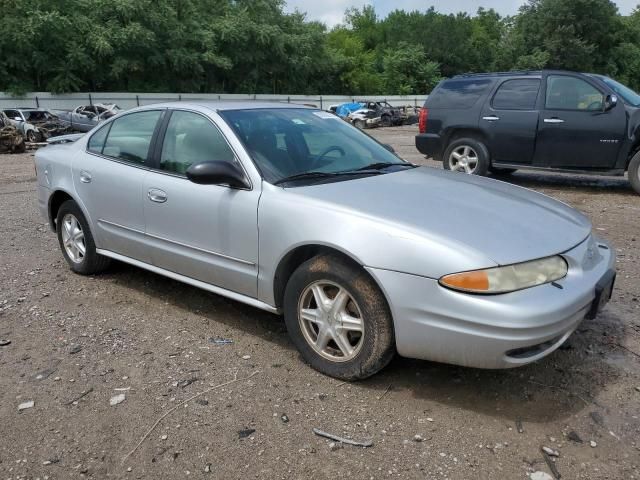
<point x="571" y="93"/>
<point x="192" y="138"/>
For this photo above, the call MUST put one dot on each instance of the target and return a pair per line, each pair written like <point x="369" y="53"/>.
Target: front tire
<point x="467" y="155"/>
<point x="338" y="319"/>
<point x="76" y="241"/>
<point x="634" y="172"/>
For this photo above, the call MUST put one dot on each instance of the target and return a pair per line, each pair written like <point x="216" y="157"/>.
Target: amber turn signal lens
<point x="474" y="281"/>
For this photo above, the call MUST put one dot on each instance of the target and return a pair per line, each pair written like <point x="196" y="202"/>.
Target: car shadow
<point x="562" y="384"/>
<point x="586" y="183"/>
<point x="209" y="306"/>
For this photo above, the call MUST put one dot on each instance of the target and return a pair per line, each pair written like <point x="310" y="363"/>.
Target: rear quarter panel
<point x="54" y="173"/>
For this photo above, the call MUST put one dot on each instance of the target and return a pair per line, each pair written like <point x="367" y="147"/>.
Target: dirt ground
<point x="76" y="342"/>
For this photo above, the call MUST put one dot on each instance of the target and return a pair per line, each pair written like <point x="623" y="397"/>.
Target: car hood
<point x="503" y="222"/>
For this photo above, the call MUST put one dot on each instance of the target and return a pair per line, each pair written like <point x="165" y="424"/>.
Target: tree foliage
<point x="254" y="46"/>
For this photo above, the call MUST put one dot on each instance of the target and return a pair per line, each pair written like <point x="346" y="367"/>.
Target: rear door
<point x="510" y="120"/>
<point x="575" y="131"/>
<point x="109" y="179"/>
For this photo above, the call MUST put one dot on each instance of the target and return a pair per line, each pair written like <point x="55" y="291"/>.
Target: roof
<point x="514" y="73"/>
<point x="221" y="105"/>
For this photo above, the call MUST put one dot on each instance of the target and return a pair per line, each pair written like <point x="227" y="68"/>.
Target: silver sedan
<point x="293" y="211"/>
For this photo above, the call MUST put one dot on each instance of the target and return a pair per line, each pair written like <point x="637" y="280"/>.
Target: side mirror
<point x="389" y="147"/>
<point x="217" y="173"/>
<point x="610" y="102"/>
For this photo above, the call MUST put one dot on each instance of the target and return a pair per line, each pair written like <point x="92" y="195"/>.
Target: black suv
<point x="551" y="120"/>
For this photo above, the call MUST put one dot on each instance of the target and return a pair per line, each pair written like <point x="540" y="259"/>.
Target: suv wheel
<point x="338" y="319"/>
<point x="360" y="124"/>
<point x="467" y="155"/>
<point x="634" y="172"/>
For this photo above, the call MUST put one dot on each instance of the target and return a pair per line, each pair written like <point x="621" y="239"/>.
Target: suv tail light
<point x="422" y="120"/>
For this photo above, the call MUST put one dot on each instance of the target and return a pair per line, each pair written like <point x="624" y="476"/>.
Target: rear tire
<point x="32" y="136"/>
<point x="76" y="241"/>
<point x="467" y="155"/>
<point x="634" y="172"/>
<point x="385" y="121"/>
<point x="348" y="333"/>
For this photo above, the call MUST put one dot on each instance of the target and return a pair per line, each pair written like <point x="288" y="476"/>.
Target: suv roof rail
<point x="498" y="74"/>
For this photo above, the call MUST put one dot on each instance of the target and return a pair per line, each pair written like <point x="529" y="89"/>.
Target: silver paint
<point x="407" y="229"/>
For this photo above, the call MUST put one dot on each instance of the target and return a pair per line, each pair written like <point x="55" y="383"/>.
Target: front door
<point x="510" y="120"/>
<point x="205" y="232"/>
<point x="575" y="130"/>
<point x="110" y="178"/>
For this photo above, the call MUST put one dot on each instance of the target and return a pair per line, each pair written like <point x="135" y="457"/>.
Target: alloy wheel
<point x="73" y="238"/>
<point x="331" y="321"/>
<point x="463" y="159"/>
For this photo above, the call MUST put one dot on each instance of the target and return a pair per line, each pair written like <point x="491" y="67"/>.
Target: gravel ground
<point x="77" y="342"/>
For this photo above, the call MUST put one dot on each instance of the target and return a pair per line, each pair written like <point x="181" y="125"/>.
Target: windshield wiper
<point x="382" y="165"/>
<point x="302" y="176"/>
<point x="312" y="175"/>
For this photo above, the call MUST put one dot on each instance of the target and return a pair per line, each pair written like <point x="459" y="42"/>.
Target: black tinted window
<point x="518" y="94"/>
<point x="458" y="93"/>
<point x="192" y="138"/>
<point x="130" y="136"/>
<point x="96" y="142"/>
<point x="571" y="93"/>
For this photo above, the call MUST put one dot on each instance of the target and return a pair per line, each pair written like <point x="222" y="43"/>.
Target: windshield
<point x="628" y="95"/>
<point x="292" y="141"/>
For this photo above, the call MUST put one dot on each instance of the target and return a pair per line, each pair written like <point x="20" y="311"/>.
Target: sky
<point x="331" y="12"/>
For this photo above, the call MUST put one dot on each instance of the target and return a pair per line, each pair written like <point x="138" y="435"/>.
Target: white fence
<point x="131" y="100"/>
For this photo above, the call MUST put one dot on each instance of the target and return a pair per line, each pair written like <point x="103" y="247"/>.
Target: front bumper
<point x="493" y="331"/>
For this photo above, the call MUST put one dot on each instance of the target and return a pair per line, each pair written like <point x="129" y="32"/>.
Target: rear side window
<point x="96" y="142"/>
<point x="130" y="137"/>
<point x="520" y="94"/>
<point x="458" y="93"/>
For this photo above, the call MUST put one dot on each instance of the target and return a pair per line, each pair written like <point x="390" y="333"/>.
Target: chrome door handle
<point x="157" y="195"/>
<point x="85" y="177"/>
<point x="491" y="118"/>
<point x="553" y="120"/>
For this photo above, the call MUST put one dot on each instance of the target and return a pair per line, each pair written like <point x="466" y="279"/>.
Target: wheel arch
<point x="635" y="149"/>
<point x="300" y="254"/>
<point x="56" y="199"/>
<point x="454" y="134"/>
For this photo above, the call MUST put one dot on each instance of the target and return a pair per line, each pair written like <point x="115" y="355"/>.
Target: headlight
<point x="508" y="278"/>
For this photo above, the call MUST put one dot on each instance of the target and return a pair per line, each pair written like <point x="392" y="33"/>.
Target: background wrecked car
<point x="10" y="137"/>
<point x="84" y="117"/>
<point x="36" y="124"/>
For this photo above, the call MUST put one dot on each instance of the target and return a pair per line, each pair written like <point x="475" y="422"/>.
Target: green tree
<point x="407" y="70"/>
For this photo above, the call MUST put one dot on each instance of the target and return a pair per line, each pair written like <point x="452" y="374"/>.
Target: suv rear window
<point x="518" y="94"/>
<point x="458" y="93"/>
